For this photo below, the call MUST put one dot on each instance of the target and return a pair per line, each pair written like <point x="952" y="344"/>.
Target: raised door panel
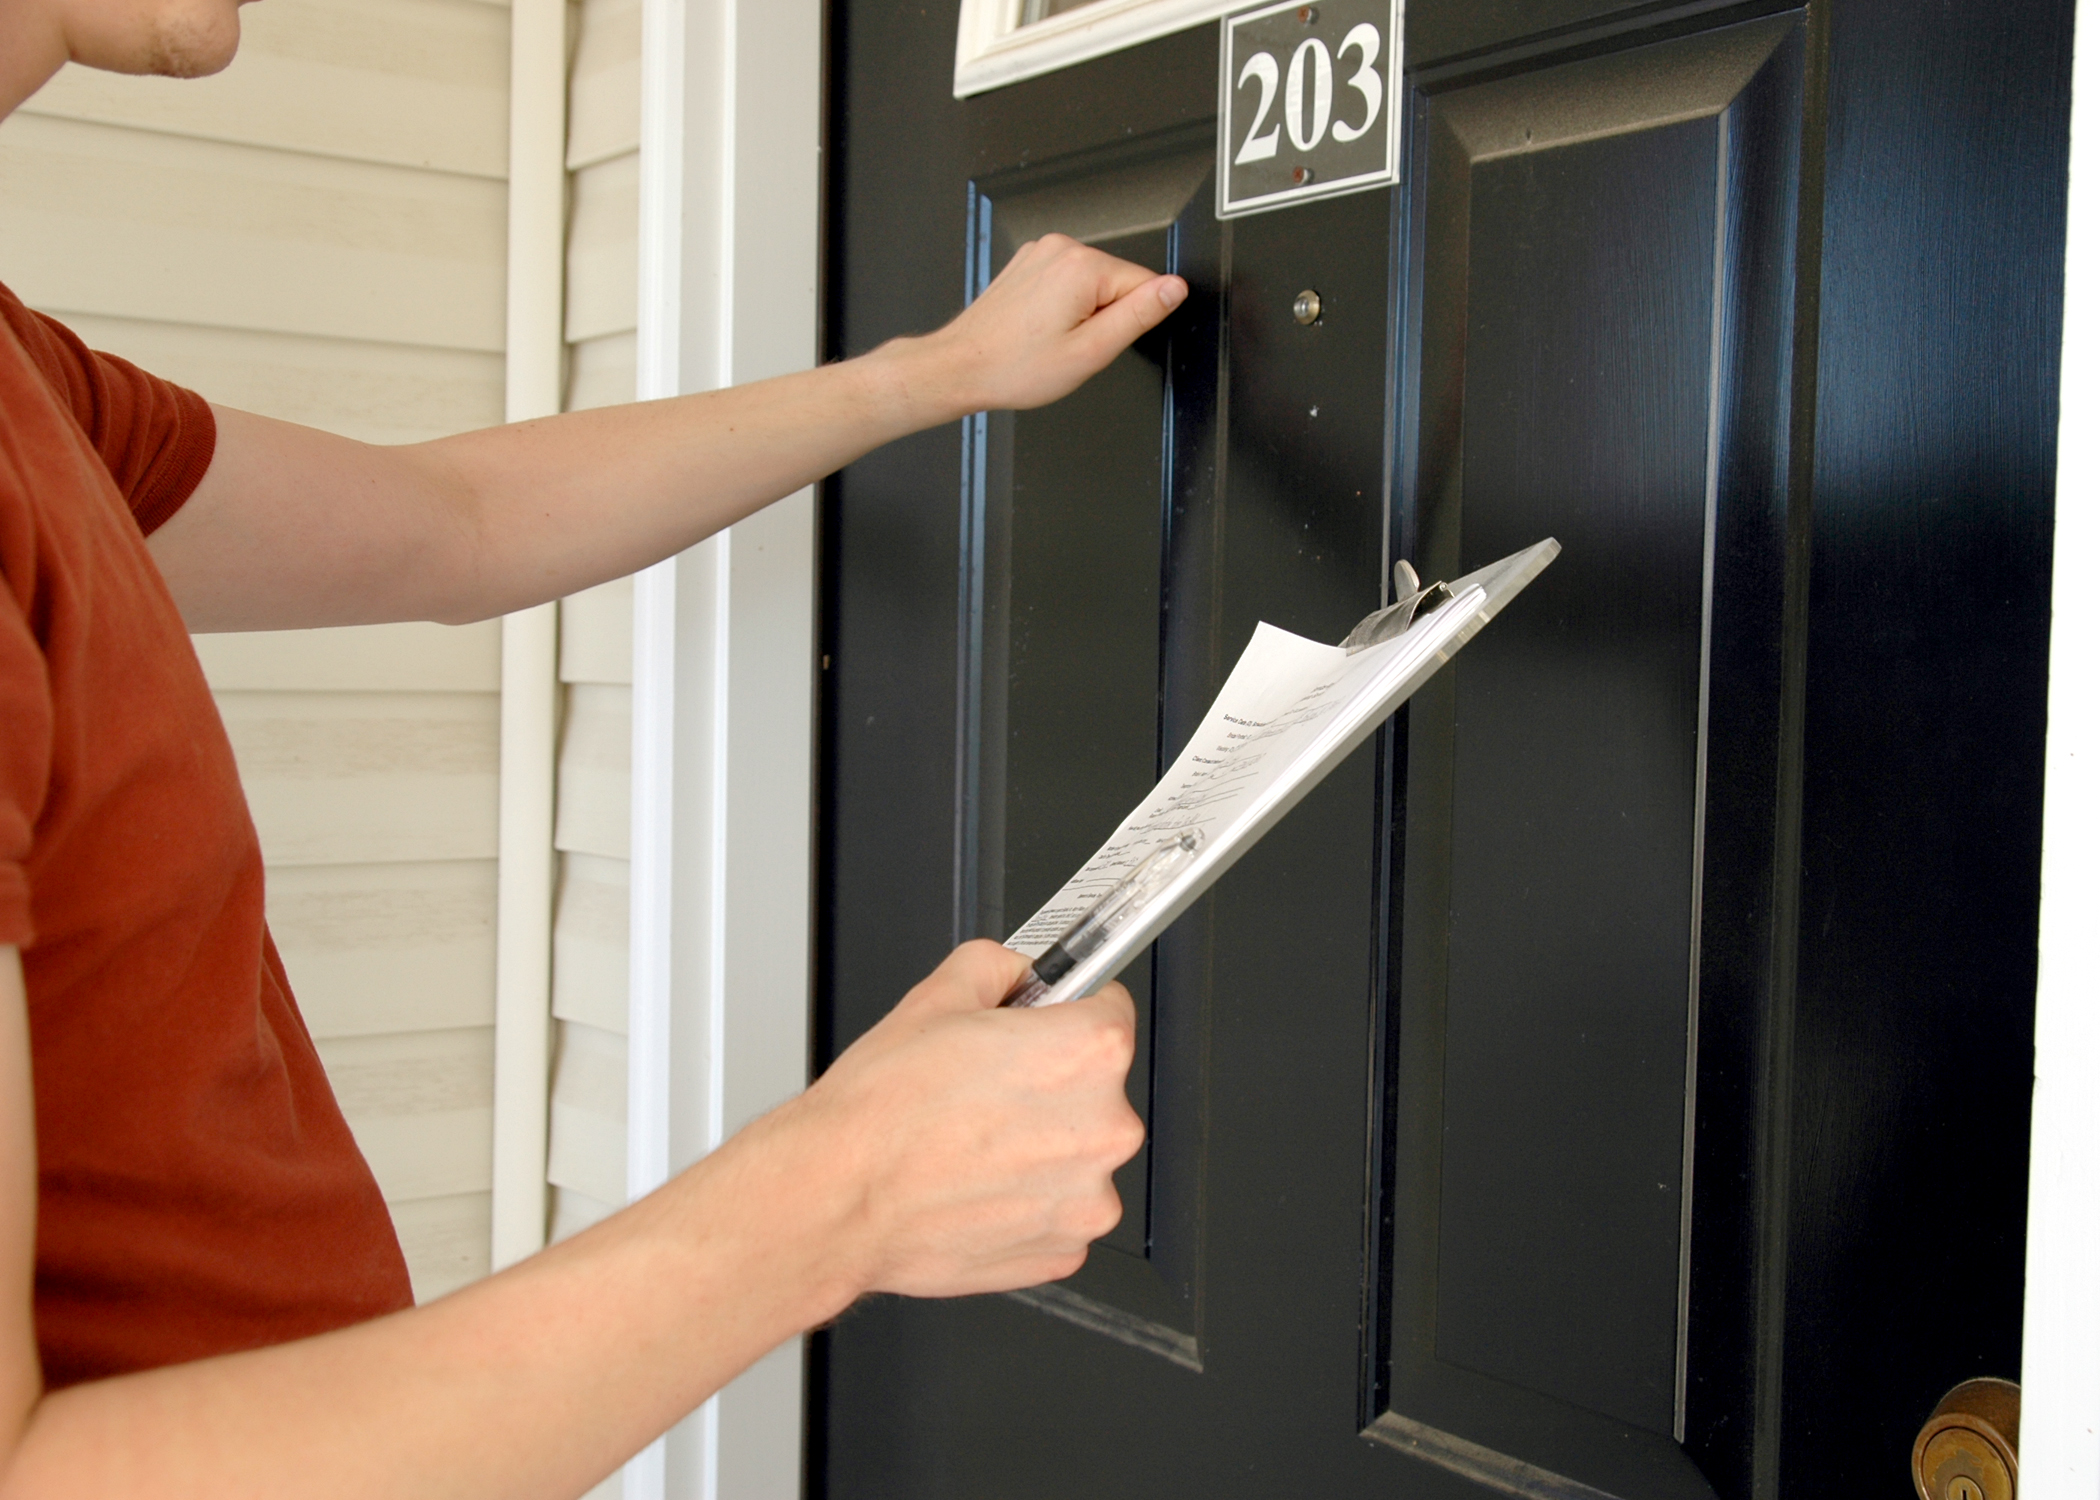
<point x="1066" y="524"/>
<point x="1606" y="269"/>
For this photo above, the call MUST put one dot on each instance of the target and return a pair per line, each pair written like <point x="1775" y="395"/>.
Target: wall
<point x="318" y="234"/>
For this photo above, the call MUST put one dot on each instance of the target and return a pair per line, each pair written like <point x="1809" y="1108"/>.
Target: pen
<point x="1125" y="899"/>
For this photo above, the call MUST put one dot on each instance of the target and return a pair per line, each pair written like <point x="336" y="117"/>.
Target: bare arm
<point x="293" y="527"/>
<point x="956" y="1148"/>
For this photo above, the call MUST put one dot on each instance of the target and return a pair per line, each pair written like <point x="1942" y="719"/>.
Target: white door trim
<point x="993" y="48"/>
<point x="724" y="658"/>
<point x="2060" y="1378"/>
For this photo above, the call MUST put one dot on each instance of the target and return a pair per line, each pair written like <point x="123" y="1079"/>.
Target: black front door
<point x="1613" y="1081"/>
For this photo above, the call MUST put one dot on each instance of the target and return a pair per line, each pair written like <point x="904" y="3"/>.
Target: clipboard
<point x="1290" y="711"/>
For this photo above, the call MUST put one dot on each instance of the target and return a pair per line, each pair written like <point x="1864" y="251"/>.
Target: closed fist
<point x="1056" y="315"/>
<point x="981" y="1140"/>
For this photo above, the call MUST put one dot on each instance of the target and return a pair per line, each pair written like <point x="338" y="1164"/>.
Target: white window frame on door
<point x="993" y="48"/>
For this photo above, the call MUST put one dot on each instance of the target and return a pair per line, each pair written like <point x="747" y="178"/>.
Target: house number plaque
<point x="1307" y="98"/>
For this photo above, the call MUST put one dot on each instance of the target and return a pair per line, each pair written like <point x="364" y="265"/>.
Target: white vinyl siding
<point x="404" y="83"/>
<point x="318" y="234"/>
<point x="247" y="237"/>
<point x="587" y="1115"/>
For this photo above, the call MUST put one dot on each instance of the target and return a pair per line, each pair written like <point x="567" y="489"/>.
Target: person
<point x="199" y="1290"/>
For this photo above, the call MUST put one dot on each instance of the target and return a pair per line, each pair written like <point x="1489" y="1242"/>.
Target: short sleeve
<point x="25" y="738"/>
<point x="155" y="437"/>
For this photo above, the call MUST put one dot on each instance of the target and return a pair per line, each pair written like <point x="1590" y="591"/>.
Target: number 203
<point x="1309" y="112"/>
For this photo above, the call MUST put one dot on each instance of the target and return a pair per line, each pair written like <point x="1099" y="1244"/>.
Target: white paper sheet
<point x="1288" y="713"/>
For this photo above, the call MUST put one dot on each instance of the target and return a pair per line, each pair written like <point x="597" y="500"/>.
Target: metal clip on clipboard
<point x="1409" y="600"/>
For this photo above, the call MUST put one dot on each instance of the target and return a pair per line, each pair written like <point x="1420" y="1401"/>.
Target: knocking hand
<point x="1056" y="315"/>
<point x="982" y="1139"/>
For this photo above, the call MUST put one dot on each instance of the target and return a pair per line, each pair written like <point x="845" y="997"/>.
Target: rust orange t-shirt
<point x="198" y="1189"/>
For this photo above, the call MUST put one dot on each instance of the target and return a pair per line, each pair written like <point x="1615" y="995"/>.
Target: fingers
<point x="1106" y="1023"/>
<point x="1128" y="299"/>
<point x="1094" y="284"/>
<point x="1031" y="1268"/>
<point x="986" y="1139"/>
<point x="1114" y="1002"/>
<point x="1132" y="315"/>
<point x="976" y="976"/>
<point x="981" y="973"/>
<point x="1054" y="316"/>
<point x="1110" y="276"/>
<point x="1115" y="279"/>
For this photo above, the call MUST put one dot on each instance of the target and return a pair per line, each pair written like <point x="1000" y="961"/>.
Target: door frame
<point x="729" y="290"/>
<point x="2060" y="1422"/>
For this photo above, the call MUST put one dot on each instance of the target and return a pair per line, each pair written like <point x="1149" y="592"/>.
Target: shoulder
<point x="53" y="351"/>
<point x="154" y="439"/>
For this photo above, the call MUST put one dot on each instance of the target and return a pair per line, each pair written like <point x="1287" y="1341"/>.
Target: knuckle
<point x="1128" y="1136"/>
<point x="1113" y="1039"/>
<point x="1086" y="1218"/>
<point x="1104" y="1213"/>
<point x="982" y="959"/>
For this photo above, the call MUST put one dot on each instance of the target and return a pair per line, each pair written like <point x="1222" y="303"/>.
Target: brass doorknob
<point x="1969" y="1448"/>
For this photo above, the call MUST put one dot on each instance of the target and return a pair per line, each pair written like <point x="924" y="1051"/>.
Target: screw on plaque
<point x="1300" y="176"/>
<point x="1305" y="307"/>
<point x="1307" y="14"/>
